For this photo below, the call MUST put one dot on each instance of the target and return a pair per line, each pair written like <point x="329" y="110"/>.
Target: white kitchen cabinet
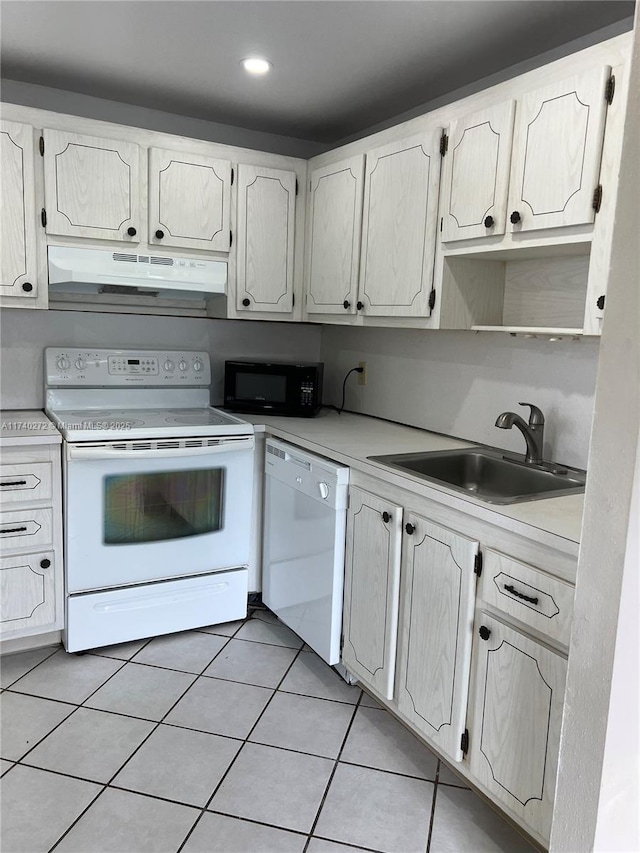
<point x="371" y="589"/>
<point x="333" y="237"/>
<point x="189" y="200"/>
<point x="438" y="598"/>
<point x="18" y="262"/>
<point x="399" y="226"/>
<point x="517" y="713"/>
<point x="27" y="592"/>
<point x="266" y="220"/>
<point x="91" y="186"/>
<point x="476" y="173"/>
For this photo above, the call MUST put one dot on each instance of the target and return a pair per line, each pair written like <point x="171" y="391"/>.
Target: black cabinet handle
<point x="14" y="483"/>
<point x="386" y="517"/>
<point x="515" y="217"/>
<point x="484" y="632"/>
<point x="27" y="287"/>
<point x="246" y="302"/>
<point x="44" y="564"/>
<point x="489" y="222"/>
<point x="514" y="591"/>
<point x="600" y="302"/>
<point x="359" y="305"/>
<point x="346" y="304"/>
<point x="14" y="530"/>
<point x="159" y="234"/>
<point x="131" y="231"/>
<point x="410" y="528"/>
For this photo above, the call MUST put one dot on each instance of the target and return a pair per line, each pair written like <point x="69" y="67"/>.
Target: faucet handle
<point x="536" y="418"/>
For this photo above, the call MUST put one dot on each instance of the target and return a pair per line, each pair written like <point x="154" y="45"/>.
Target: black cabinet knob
<point x="346" y="304"/>
<point x="600" y="302"/>
<point x="159" y="234"/>
<point x="246" y="302"/>
<point x="410" y="528"/>
<point x="489" y="222"/>
<point x="386" y="517"/>
<point x="27" y="287"/>
<point x="484" y="632"/>
<point x="131" y="231"/>
<point x="44" y="564"/>
<point x="515" y="217"/>
<point x="359" y="305"/>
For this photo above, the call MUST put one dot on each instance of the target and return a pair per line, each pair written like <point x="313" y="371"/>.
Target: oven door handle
<point x="76" y="451"/>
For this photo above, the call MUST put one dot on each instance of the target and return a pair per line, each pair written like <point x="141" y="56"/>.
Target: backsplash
<point x="458" y="383"/>
<point x="25" y="333"/>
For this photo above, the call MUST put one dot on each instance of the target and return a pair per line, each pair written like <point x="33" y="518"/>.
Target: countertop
<point x="19" y="427"/>
<point x="350" y="439"/>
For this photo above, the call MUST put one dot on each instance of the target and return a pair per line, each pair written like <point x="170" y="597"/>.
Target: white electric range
<point x="158" y="490"/>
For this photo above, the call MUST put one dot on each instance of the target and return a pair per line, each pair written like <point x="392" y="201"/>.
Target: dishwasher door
<point x="304" y="538"/>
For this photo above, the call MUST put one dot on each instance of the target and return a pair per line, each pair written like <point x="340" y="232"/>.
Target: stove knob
<point x="168" y="365"/>
<point x="182" y="366"/>
<point x="197" y="366"/>
<point x="63" y="363"/>
<point x="81" y="363"/>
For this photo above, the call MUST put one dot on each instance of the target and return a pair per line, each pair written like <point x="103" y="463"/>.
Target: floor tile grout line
<point x="35" y="666"/>
<point x="433" y="807"/>
<point x="79" y="818"/>
<point x="355" y="846"/>
<point x="257" y="822"/>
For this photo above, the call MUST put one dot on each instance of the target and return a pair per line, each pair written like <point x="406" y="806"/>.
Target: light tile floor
<point x="230" y="739"/>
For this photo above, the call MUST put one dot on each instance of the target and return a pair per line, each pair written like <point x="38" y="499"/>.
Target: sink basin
<point x="490" y="475"/>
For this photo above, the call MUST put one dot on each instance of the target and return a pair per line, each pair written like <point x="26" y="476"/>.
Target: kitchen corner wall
<point x="458" y="383"/>
<point x="25" y="333"/>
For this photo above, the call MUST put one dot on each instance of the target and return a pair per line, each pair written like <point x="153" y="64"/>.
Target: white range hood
<point x="95" y="271"/>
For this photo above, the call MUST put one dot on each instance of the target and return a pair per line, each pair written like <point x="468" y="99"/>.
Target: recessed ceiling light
<point x="255" y="65"/>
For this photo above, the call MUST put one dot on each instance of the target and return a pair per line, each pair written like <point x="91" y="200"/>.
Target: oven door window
<point x="155" y="507"/>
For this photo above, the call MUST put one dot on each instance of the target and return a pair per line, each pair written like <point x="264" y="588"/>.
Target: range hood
<point x="95" y="271"/>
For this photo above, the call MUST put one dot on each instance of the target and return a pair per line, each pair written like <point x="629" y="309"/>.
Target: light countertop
<point x="350" y="439"/>
<point x="19" y="427"/>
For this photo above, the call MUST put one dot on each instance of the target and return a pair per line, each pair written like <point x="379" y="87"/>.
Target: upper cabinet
<point x="264" y="259"/>
<point x="333" y="237"/>
<point x="189" y="198"/>
<point x="91" y="187"/>
<point x="399" y="226"/>
<point x="18" y="263"/>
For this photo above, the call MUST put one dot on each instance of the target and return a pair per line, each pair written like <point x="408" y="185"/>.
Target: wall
<point x="458" y="382"/>
<point x="25" y="333"/>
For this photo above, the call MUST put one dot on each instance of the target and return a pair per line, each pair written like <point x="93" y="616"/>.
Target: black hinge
<point x="43" y="217"/>
<point x="293" y="299"/>
<point x="341" y="642"/>
<point x="464" y="741"/>
<point x="441" y="222"/>
<point x="230" y="238"/>
<point x="444" y="143"/>
<point x="296" y="186"/>
<point x="477" y="564"/>
<point x="41" y="146"/>
<point x="432" y="299"/>
<point x="610" y="89"/>
<point x="597" y="198"/>
<point x="232" y="173"/>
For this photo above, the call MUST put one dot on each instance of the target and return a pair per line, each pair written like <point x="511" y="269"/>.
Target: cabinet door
<point x="27" y="592"/>
<point x="333" y="237"/>
<point x="438" y="592"/>
<point x="266" y="219"/>
<point x="91" y="187"/>
<point x="399" y="226"/>
<point x="371" y="586"/>
<point x="557" y="146"/>
<point x="476" y="173"/>
<point x="18" y="264"/>
<point x="189" y="200"/>
<point x="516" y="721"/>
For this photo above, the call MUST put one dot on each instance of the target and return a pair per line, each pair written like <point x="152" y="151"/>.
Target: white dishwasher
<point x="305" y="517"/>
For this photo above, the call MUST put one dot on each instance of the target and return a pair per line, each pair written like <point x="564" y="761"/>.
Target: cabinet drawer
<point x="27" y="592"/>
<point x="529" y="595"/>
<point x="25" y="528"/>
<point x="27" y="481"/>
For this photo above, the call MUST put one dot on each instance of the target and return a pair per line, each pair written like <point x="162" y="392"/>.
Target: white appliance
<point x="128" y="273"/>
<point x="158" y="493"/>
<point x="304" y="539"/>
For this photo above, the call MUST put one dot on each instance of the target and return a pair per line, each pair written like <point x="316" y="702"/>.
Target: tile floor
<point x="230" y="739"/>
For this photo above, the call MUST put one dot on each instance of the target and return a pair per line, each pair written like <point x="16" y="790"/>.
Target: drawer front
<point x="29" y="481"/>
<point x="27" y="592"/>
<point x="529" y="595"/>
<point x="26" y="528"/>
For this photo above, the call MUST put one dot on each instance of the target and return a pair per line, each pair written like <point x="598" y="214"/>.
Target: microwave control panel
<point x="97" y="368"/>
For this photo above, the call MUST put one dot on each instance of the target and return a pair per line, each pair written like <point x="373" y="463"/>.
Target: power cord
<point x="344" y="389"/>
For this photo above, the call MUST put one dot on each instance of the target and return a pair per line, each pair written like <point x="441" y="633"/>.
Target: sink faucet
<point x="533" y="431"/>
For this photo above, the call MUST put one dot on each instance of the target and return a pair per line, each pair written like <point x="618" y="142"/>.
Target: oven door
<point x="137" y="513"/>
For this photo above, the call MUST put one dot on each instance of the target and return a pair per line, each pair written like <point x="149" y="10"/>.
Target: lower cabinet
<point x="517" y="713"/>
<point x="27" y="592"/>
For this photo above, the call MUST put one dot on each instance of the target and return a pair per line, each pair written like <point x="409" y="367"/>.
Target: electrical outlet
<point x="362" y="377"/>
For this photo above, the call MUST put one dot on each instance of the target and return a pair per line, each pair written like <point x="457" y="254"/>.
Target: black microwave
<point x="259" y="387"/>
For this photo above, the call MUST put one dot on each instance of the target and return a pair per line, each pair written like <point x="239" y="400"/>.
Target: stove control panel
<point x="95" y="368"/>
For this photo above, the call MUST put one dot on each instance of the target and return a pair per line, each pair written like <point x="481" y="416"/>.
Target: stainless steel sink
<point x="490" y="475"/>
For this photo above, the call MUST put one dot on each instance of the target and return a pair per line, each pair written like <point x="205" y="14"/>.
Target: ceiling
<point x="340" y="66"/>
